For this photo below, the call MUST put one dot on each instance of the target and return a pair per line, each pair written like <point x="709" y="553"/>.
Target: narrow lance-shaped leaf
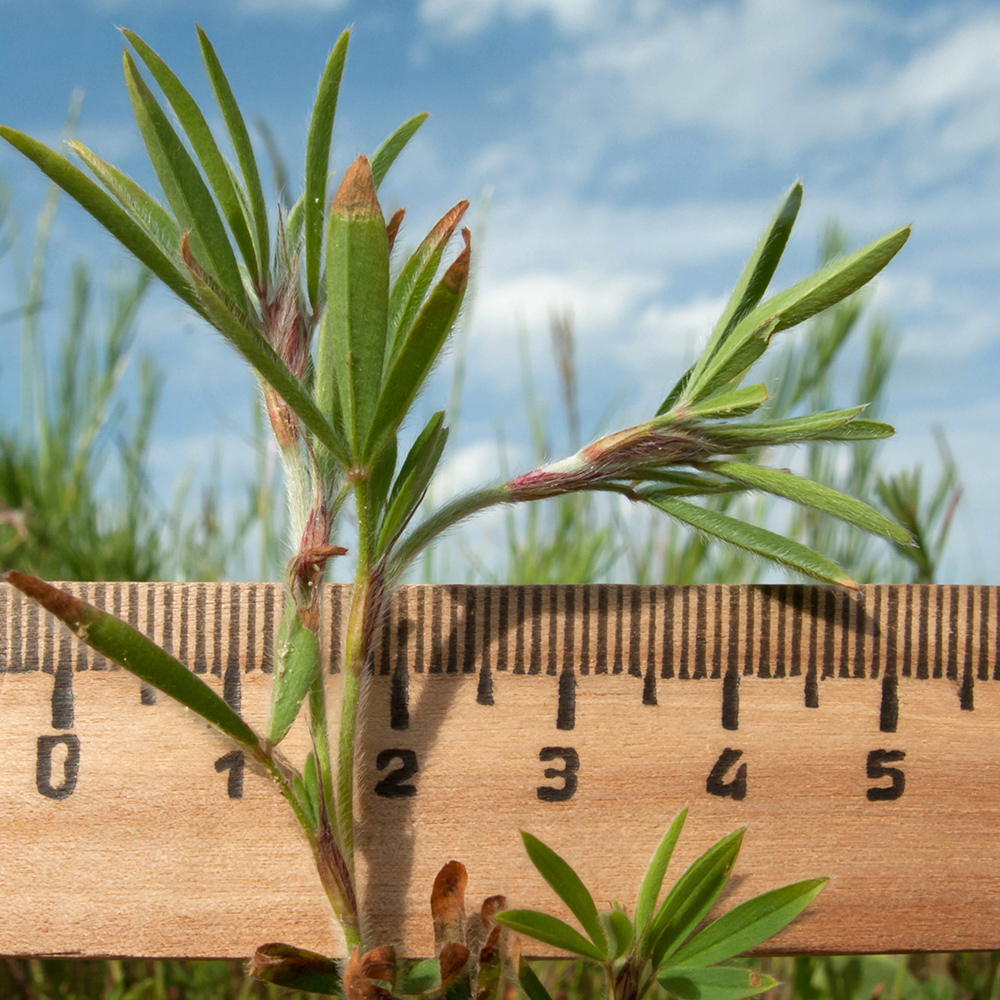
<point x="185" y="189"/>
<point x="752" y="538"/>
<point x="748" y="925"/>
<point x="692" y="896"/>
<point x="297" y="661"/>
<point x="419" y="351"/>
<point x="116" y="220"/>
<point x="263" y="359"/>
<point x="145" y="209"/>
<point x="754" y="280"/>
<point x="386" y="154"/>
<point x="244" y="152"/>
<point x="830" y="425"/>
<point x="318" y="161"/>
<point x="124" y="645"/>
<point x="352" y="340"/>
<point x="411" y="285"/>
<point x="203" y="143"/>
<point x="652" y="881"/>
<point x="413" y="479"/>
<point x="821" y="290"/>
<point x="567" y="886"/>
<point x="717" y="983"/>
<point x="550" y="930"/>
<point x="737" y="403"/>
<point x="816" y="495"/>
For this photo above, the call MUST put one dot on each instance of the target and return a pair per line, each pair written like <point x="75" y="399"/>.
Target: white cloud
<point x="468" y="17"/>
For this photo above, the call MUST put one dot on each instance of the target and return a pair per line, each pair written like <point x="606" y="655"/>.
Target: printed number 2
<point x="571" y="760"/>
<point x="877" y="760"/>
<point x="393" y="785"/>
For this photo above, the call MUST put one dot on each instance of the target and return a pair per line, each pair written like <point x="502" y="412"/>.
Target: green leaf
<point x="550" y="930"/>
<point x="811" y="494"/>
<point x="652" y="881"/>
<point x="754" y="280"/>
<point x="380" y="477"/>
<point x="124" y="645"/>
<point x="619" y="929"/>
<point x="411" y="285"/>
<point x="830" y="425"/>
<point x="145" y="209"/>
<point x="531" y="985"/>
<point x="567" y="886"/>
<point x="737" y="403"/>
<point x="386" y="154"/>
<point x="719" y="983"/>
<point x="692" y="896"/>
<point x="352" y="340"/>
<point x="418" y="353"/>
<point x="296" y="665"/>
<point x="816" y="293"/>
<point x="263" y="359"/>
<point x="184" y="187"/>
<point x="296" y="969"/>
<point x="240" y="138"/>
<point x="420" y="978"/>
<point x="752" y="538"/>
<point x="117" y="221"/>
<point x="203" y="143"/>
<point x="413" y="479"/>
<point x="748" y="925"/>
<point x="318" y="162"/>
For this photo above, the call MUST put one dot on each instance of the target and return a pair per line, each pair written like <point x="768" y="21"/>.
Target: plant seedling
<point x="342" y="339"/>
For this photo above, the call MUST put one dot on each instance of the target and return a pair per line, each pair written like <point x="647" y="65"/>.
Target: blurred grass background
<point x="75" y="503"/>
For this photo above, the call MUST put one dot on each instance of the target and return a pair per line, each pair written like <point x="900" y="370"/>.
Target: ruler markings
<point x="484" y="695"/>
<point x="649" y="679"/>
<point x="634" y="631"/>
<point x="811" y="625"/>
<point x="923" y="635"/>
<point x="764" y="633"/>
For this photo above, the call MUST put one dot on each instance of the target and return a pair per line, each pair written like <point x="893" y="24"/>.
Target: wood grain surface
<point x="857" y="737"/>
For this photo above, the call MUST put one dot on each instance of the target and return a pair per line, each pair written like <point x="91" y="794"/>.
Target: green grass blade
<point x="737" y="403"/>
<point x="755" y="278"/>
<point x="414" y="280"/>
<point x="121" y="643"/>
<point x="531" y="985"/>
<point x="240" y="138"/>
<point x="748" y="925"/>
<point x="568" y="887"/>
<point x="550" y="930"/>
<point x="386" y="154"/>
<point x="144" y="208"/>
<point x="692" y="896"/>
<point x="115" y="219"/>
<point x="318" y="162"/>
<point x="185" y="188"/>
<point x="816" y="495"/>
<point x="413" y="479"/>
<point x="352" y="340"/>
<point x="652" y="881"/>
<point x="419" y="351"/>
<point x="203" y="143"/>
<point x="263" y="359"/>
<point x="752" y="538"/>
<point x="718" y="983"/>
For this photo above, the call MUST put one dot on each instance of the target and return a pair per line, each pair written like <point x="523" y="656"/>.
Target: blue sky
<point x="632" y="152"/>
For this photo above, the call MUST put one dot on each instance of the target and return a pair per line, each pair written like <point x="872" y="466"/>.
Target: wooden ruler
<point x="857" y="736"/>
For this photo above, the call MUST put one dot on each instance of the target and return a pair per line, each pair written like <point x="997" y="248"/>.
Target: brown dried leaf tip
<point x="448" y="904"/>
<point x="356" y="197"/>
<point x="453" y="959"/>
<point x="361" y="971"/>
